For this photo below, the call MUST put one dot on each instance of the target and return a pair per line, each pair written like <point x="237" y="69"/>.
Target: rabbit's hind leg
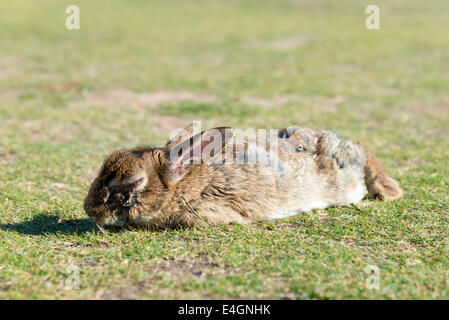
<point x="347" y="154"/>
<point x="379" y="184"/>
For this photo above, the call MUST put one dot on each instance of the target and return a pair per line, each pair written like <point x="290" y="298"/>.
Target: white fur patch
<point x="114" y="221"/>
<point x="313" y="205"/>
<point x="143" y="219"/>
<point x="356" y="195"/>
<point x="284" y="213"/>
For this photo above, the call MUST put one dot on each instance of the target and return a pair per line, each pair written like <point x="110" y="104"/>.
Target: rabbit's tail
<point x="379" y="184"/>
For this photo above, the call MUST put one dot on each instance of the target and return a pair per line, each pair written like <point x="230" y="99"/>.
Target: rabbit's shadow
<point x="43" y="224"/>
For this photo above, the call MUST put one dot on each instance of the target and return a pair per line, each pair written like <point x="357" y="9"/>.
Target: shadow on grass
<point x="50" y="224"/>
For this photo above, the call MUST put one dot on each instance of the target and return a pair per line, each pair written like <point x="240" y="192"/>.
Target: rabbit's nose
<point x="132" y="200"/>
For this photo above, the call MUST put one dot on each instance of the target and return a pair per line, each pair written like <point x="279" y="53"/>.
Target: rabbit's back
<point x="310" y="169"/>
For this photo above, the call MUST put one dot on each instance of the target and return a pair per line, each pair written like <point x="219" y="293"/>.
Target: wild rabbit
<point x="175" y="185"/>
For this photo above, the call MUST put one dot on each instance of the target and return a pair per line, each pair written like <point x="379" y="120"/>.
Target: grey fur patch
<point x="345" y="153"/>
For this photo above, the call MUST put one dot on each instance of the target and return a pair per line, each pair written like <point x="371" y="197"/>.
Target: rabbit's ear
<point x="180" y="135"/>
<point x="205" y="147"/>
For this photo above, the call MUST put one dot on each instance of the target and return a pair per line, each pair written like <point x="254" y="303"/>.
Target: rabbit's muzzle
<point x="119" y="202"/>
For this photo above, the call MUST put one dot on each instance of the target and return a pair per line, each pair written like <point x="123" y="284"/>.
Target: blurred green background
<point x="136" y="70"/>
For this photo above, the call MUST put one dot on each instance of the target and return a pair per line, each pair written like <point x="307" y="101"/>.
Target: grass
<point x="68" y="98"/>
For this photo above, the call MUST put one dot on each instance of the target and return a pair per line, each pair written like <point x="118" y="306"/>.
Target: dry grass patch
<point x="130" y="99"/>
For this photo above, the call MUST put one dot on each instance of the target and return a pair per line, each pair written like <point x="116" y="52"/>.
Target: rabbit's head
<point x="132" y="185"/>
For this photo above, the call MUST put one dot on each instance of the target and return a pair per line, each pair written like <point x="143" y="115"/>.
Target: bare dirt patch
<point x="10" y="94"/>
<point x="210" y="59"/>
<point x="10" y="67"/>
<point x="10" y="72"/>
<point x="125" y="292"/>
<point x="8" y="158"/>
<point x="322" y="103"/>
<point x="127" y="98"/>
<point x="63" y="86"/>
<point x="276" y="101"/>
<point x="143" y="289"/>
<point x="164" y="125"/>
<point x="283" y="44"/>
<point x="182" y="269"/>
<point x="58" y="132"/>
<point x="438" y="133"/>
<point x="436" y="110"/>
<point x="175" y="270"/>
<point x="144" y="103"/>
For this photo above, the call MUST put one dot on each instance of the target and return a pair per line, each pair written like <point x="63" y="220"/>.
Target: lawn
<point x="136" y="70"/>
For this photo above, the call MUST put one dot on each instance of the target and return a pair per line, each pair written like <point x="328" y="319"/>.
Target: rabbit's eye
<point x="127" y="183"/>
<point x="136" y="183"/>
